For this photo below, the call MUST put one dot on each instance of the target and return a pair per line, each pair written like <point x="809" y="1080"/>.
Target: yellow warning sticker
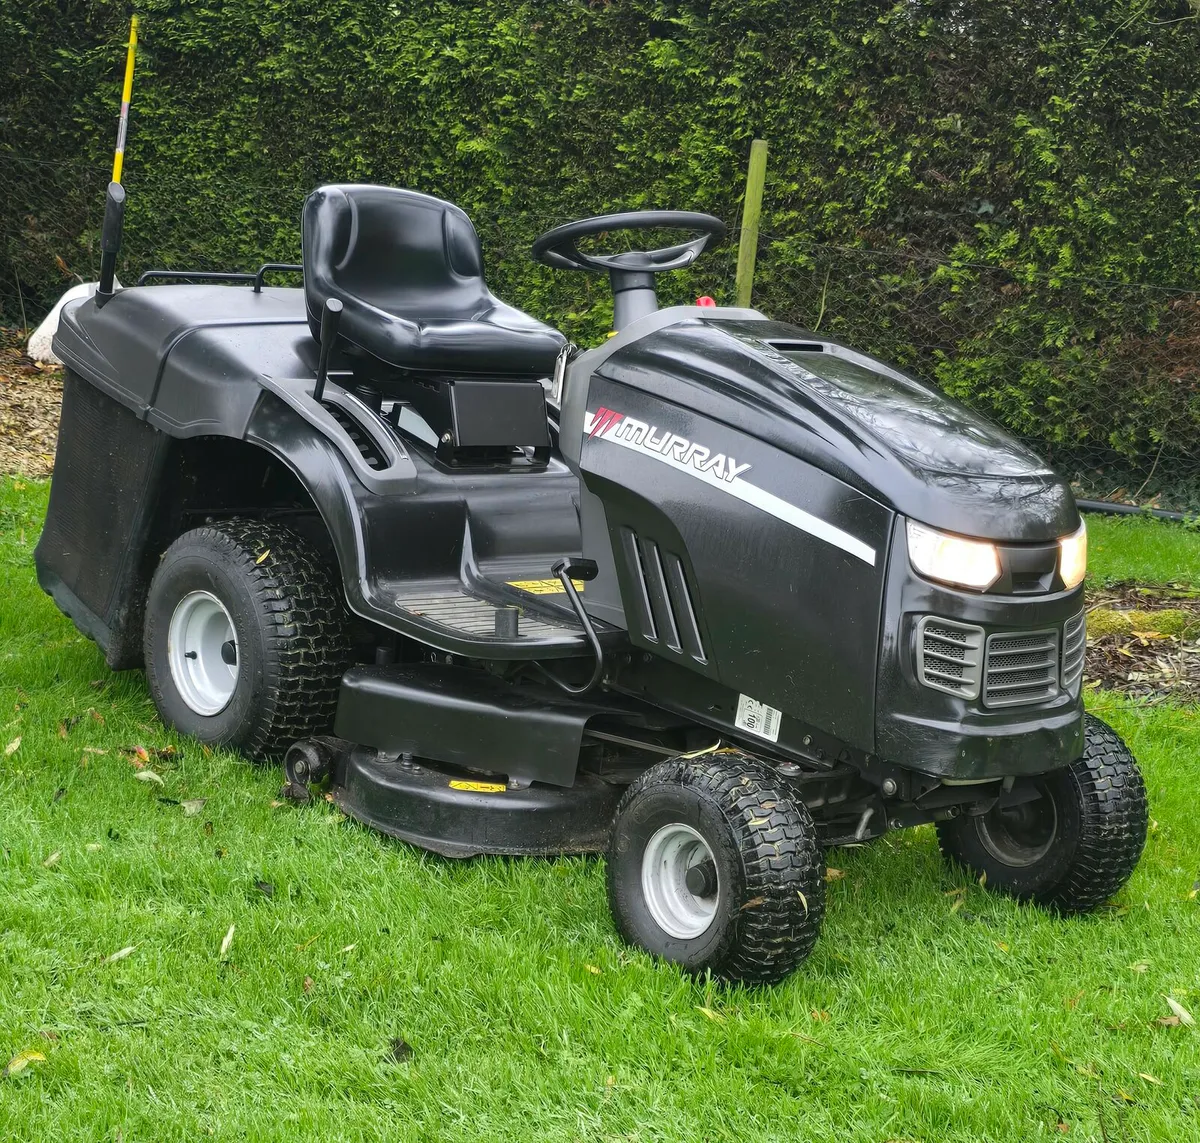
<point x="543" y="586"/>
<point x="480" y="787"/>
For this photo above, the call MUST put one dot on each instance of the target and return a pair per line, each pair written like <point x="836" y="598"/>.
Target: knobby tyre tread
<point x="779" y="920"/>
<point x="298" y="606"/>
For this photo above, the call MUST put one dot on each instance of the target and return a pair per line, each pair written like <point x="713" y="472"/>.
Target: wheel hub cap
<point x="202" y="653"/>
<point x="1020" y="835"/>
<point x="680" y="882"/>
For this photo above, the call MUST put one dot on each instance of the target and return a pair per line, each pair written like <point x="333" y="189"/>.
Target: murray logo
<point x="607" y="424"/>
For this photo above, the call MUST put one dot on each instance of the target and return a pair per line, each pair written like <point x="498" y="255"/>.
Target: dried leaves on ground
<point x="1144" y="640"/>
<point x="30" y="396"/>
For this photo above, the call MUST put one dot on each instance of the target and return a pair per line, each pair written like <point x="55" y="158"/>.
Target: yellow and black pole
<point x="114" y="201"/>
<point x="126" y="95"/>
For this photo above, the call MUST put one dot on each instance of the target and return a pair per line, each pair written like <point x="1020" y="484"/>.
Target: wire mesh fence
<point x="1101" y="377"/>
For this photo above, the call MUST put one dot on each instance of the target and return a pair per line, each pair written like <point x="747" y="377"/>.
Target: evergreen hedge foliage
<point x="971" y="188"/>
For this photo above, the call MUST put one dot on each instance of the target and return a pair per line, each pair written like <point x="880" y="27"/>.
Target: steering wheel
<point x="558" y="247"/>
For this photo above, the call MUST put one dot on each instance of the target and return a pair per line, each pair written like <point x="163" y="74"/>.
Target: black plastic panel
<point x="465" y="717"/>
<point x="108" y="463"/>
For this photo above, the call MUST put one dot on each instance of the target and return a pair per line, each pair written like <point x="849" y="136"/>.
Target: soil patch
<point x="30" y="397"/>
<point x="1144" y="640"/>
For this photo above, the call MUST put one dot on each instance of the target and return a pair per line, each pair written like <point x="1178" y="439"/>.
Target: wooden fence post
<point x="756" y="177"/>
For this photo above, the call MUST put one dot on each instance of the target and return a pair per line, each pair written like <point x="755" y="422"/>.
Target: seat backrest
<point x="406" y="253"/>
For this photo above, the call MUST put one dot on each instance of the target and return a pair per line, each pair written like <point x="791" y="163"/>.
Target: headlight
<point x="1072" y="557"/>
<point x="952" y="559"/>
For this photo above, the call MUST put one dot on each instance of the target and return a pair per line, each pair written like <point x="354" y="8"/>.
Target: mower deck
<point x="458" y="813"/>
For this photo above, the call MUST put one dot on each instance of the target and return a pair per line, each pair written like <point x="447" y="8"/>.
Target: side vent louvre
<point x="663" y="605"/>
<point x="1074" y="648"/>
<point x="361" y="438"/>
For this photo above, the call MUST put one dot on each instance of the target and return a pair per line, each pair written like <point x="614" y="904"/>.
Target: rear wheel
<point x="713" y="864"/>
<point x="1075" y="844"/>
<point x="245" y="638"/>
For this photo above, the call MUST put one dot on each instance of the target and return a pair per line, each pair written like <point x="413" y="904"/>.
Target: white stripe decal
<point x="745" y="491"/>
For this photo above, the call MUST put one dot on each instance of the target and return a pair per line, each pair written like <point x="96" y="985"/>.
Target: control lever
<point x="331" y="318"/>
<point x="110" y="241"/>
<point x="568" y="569"/>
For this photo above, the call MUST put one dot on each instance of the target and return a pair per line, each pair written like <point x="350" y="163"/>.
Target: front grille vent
<point x="1021" y="667"/>
<point x="950" y="656"/>
<point x="1074" y="646"/>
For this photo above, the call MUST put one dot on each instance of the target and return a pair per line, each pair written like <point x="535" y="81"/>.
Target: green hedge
<point x="971" y="187"/>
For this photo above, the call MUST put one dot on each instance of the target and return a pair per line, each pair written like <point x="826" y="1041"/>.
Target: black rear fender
<point x="122" y="491"/>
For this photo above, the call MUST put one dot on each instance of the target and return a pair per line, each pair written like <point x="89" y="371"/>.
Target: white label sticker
<point x="758" y="718"/>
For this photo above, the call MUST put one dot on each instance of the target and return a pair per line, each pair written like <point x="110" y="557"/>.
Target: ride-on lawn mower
<point x="710" y="596"/>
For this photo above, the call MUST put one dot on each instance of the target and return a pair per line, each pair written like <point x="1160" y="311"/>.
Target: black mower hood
<point x="904" y="443"/>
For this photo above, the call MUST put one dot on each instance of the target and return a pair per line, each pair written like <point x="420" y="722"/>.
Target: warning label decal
<point x="757" y="718"/>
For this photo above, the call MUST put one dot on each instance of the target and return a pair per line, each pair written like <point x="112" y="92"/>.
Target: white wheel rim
<point x="197" y="650"/>
<point x="668" y="856"/>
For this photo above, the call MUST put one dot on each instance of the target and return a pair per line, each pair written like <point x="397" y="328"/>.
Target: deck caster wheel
<point x="306" y="763"/>
<point x="246" y="637"/>
<point x="1073" y="846"/>
<point x="713" y="864"/>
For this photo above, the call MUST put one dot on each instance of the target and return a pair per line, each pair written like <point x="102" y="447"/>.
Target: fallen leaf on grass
<point x="1126" y="1096"/>
<point x="52" y="860"/>
<point x="13" y="747"/>
<point x="20" y="1062"/>
<point x="226" y="942"/>
<point x="832" y="874"/>
<point x="94" y="750"/>
<point x="593" y="969"/>
<point x="806" y="1039"/>
<point x="1149" y="1078"/>
<point x="349" y="948"/>
<point x="136" y="754"/>
<point x="149" y="776"/>
<point x="819" y="1014"/>
<point x="93" y="847"/>
<point x="711" y="1014"/>
<point x="1139" y="966"/>
<point x="1185" y="1017"/>
<point x="398" y="1051"/>
<point x="192" y="806"/>
<point x="120" y="954"/>
<point x="958" y="904"/>
<point x="1169" y="1021"/>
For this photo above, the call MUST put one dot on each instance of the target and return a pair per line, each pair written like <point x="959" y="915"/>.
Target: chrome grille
<point x="950" y="656"/>
<point x="1020" y="667"/>
<point x="1074" y="646"/>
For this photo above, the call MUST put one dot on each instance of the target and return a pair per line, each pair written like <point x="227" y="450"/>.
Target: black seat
<point x="408" y="271"/>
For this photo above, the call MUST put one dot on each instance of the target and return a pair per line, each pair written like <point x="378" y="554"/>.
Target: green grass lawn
<point x="930" y="1009"/>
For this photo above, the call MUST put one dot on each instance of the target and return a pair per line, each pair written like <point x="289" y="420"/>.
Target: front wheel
<point x="713" y="864"/>
<point x="1074" y="844"/>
